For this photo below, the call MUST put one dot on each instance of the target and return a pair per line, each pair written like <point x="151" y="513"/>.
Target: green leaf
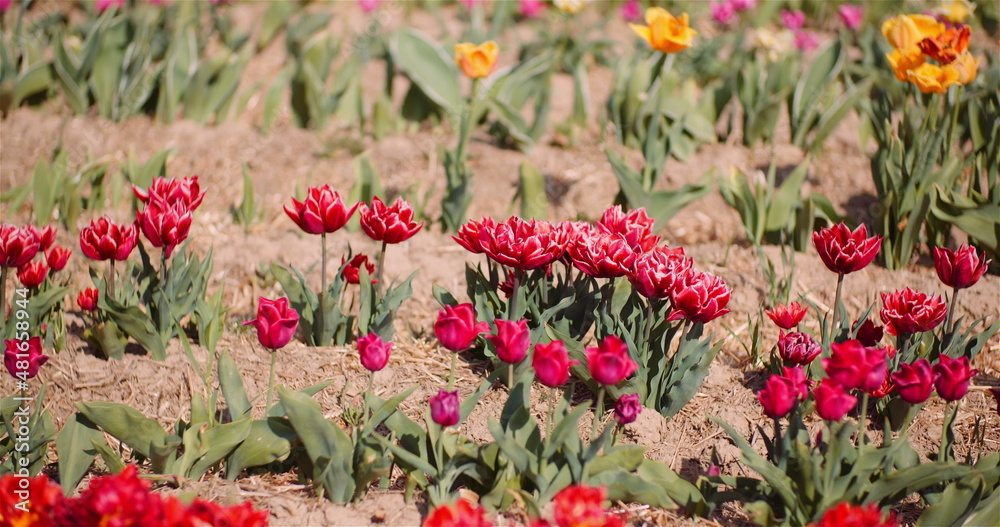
<point x="534" y="200"/>
<point x="428" y="65"/>
<point x="126" y="424"/>
<point x="217" y="443"/>
<point x="232" y="387"/>
<point x="75" y="450"/>
<point x="267" y="441"/>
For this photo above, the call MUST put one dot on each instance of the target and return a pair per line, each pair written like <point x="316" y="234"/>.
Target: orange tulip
<point x="904" y="61"/>
<point x="947" y="46"/>
<point x="931" y="78"/>
<point x="906" y="31"/>
<point x="477" y="61"/>
<point x="967" y="67"/>
<point x="664" y="32"/>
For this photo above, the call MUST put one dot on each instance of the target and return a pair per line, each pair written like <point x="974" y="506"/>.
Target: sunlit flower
<point x="956" y="11"/>
<point x="931" y="78"/>
<point x="906" y="31"/>
<point x="664" y="32"/>
<point x="571" y="7"/>
<point x="477" y="62"/>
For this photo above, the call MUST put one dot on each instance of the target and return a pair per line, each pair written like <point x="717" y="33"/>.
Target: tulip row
<point x="120" y="499"/>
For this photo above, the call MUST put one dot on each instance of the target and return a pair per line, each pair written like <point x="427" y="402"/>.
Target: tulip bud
<point x="610" y="362"/>
<point x="388" y="224"/>
<point x="778" y="397"/>
<point x="909" y="311"/>
<point x="164" y="224"/>
<point x="868" y="333"/>
<point x="32" y="274"/>
<point x="832" y="402"/>
<point x="374" y="352"/>
<point x="445" y="408"/>
<point x="953" y="376"/>
<point x="477" y="62"/>
<point x="664" y="32"/>
<point x="456" y="327"/>
<point x="580" y="505"/>
<point x="352" y="269"/>
<point x="627" y="408"/>
<point x="845" y="514"/>
<point x="960" y="268"/>
<point x="17" y="246"/>
<point x="46" y="236"/>
<point x="551" y="364"/>
<point x="276" y="323"/>
<point x="460" y="514"/>
<point x="845" y="251"/>
<point x="798" y="348"/>
<point x="511" y="340"/>
<point x="17" y="365"/>
<point x="786" y="317"/>
<point x="87" y="300"/>
<point x="57" y="258"/>
<point x="914" y="382"/>
<point x="468" y="234"/>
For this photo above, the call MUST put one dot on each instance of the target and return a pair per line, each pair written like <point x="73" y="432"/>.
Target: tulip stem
<point x="164" y="270"/>
<point x="270" y="382"/>
<point x="3" y="295"/>
<point x="451" y="372"/>
<point x="951" y="311"/>
<point x="598" y="412"/>
<point x="111" y="279"/>
<point x="648" y="329"/>
<point x="954" y="120"/>
<point x="947" y="437"/>
<point x="378" y="272"/>
<point x="321" y="319"/>
<point x="553" y="396"/>
<point x="510" y="376"/>
<point x="863" y="421"/>
<point x="322" y="276"/>
<point x="364" y="399"/>
<point x="836" y="307"/>
<point x="515" y="289"/>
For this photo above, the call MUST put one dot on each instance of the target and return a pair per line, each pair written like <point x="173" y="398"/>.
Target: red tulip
<point x="374" y="352"/>
<point x="914" y="382"/>
<point x="57" y="258"/>
<point x="46" y="236"/>
<point x="23" y="358"/>
<point x="184" y="190"/>
<point x="32" y="274"/>
<point x="832" y="401"/>
<point x="847" y="515"/>
<point x="635" y="226"/>
<point x="17" y="246"/>
<point x="87" y="300"/>
<point x="786" y="317"/>
<point x="610" y="362"/>
<point x="778" y="397"/>
<point x="551" y="363"/>
<point x="352" y="269"/>
<point x="869" y="334"/>
<point x="323" y="211"/>
<point x="461" y="514"/>
<point x="389" y="224"/>
<point x="566" y="233"/>
<point x="909" y="311"/>
<point x="852" y="365"/>
<point x="518" y="243"/>
<point x="884" y="389"/>
<point x="106" y="240"/>
<point x="468" y="234"/>
<point x="953" y="376"/>
<point x="844" y="251"/>
<point x="511" y="340"/>
<point x="580" y="505"/>
<point x="165" y="225"/>
<point x="456" y="327"/>
<point x="798" y="348"/>
<point x="797" y="376"/>
<point x="654" y="273"/>
<point x="700" y="297"/>
<point x="276" y="323"/>
<point x="627" y="408"/>
<point x="445" y="408"/>
<point x="603" y="255"/>
<point x="960" y="268"/>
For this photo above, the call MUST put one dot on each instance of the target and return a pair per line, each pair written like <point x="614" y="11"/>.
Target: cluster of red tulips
<point x="122" y="499"/>
<point x="861" y="363"/>
<point x="18" y="248"/>
<point x="574" y="506"/>
<point x="620" y="244"/>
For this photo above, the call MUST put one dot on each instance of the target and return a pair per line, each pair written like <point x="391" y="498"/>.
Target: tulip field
<point x="567" y="263"/>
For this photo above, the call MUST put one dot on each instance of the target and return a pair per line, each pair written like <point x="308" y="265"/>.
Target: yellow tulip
<point x="906" y="31"/>
<point x="931" y="78"/>
<point x="477" y="61"/>
<point x="664" y="32"/>
<point x="967" y="67"/>
<point x="570" y="7"/>
<point x="904" y="61"/>
<point x="956" y="11"/>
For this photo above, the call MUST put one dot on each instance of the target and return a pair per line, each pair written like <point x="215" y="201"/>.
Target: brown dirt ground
<point x="289" y="157"/>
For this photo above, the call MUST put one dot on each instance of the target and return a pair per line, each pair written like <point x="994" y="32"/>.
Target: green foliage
<point x="320" y="324"/>
<point x="247" y="212"/>
<point x="19" y="452"/>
